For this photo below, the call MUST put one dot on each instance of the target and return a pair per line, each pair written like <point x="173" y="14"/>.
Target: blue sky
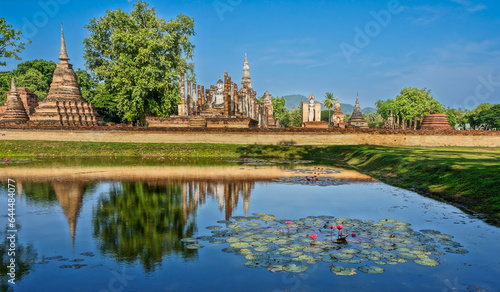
<point x="375" y="47"/>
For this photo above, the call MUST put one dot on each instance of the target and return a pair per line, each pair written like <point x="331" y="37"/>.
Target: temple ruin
<point x="64" y="105"/>
<point x="435" y="122"/>
<point x="357" y="120"/>
<point x="337" y="119"/>
<point x="14" y="108"/>
<point x="311" y="114"/>
<point x="220" y="106"/>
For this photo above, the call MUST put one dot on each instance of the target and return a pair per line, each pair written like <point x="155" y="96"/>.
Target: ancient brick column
<point x="203" y="95"/>
<point x="236" y="99"/>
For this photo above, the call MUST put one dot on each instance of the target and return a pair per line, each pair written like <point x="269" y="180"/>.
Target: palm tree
<point x="329" y="103"/>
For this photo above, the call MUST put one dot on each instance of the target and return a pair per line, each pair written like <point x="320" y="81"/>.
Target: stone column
<point x="203" y="101"/>
<point x="236" y="99"/>
<point x="189" y="97"/>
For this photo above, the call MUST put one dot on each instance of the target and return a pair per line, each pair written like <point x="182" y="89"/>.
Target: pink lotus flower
<point x="331" y="226"/>
<point x="288" y="222"/>
<point x="353" y="235"/>
<point x="313" y="236"/>
<point x="339" y="227"/>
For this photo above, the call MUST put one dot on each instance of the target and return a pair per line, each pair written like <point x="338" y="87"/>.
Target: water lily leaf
<point x="426" y="262"/>
<point x="374" y="270"/>
<point x="256" y="264"/>
<point x="240" y="245"/>
<point x="215" y="227"/>
<point x="293" y="268"/>
<point x="341" y="271"/>
<point x="457" y="250"/>
<point x="194" y="246"/>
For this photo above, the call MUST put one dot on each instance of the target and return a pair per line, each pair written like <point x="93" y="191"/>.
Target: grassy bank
<point x="465" y="176"/>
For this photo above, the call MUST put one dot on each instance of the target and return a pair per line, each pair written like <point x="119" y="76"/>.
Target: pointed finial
<point x="357" y="97"/>
<point x="246" y="60"/>
<point x="13" y="87"/>
<point x="63" y="55"/>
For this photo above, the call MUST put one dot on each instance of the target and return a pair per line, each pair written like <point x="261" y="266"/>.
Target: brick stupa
<point x="14" y="112"/>
<point x="435" y="122"/>
<point x="64" y="105"/>
<point x="357" y="120"/>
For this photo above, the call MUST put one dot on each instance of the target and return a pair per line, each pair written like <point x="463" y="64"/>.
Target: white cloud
<point x="471" y="7"/>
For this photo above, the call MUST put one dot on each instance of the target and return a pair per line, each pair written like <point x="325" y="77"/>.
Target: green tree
<point x="98" y="94"/>
<point x="473" y="117"/>
<point x="280" y="111"/>
<point x="384" y="108"/>
<point x="490" y="118"/>
<point x="5" y="81"/>
<point x="34" y="81"/>
<point x="451" y="114"/>
<point x="34" y="74"/>
<point x="347" y="117"/>
<point x="296" y="116"/>
<point x="139" y="57"/>
<point x="10" y="42"/>
<point x="329" y="103"/>
<point x="374" y="119"/>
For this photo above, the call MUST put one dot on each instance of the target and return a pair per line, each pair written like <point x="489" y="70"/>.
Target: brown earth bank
<point x="297" y="136"/>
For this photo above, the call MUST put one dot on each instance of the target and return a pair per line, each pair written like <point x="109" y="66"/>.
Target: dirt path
<point x="270" y="138"/>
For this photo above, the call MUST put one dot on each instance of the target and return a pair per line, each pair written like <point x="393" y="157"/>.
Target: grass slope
<point x="468" y="177"/>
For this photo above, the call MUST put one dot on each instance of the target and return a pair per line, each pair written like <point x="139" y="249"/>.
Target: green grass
<point x="467" y="177"/>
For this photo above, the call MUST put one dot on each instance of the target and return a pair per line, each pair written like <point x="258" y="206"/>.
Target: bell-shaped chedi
<point x="64" y="105"/>
<point x="14" y="112"/>
<point x="435" y="122"/>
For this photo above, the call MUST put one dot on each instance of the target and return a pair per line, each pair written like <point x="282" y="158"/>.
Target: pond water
<point x="106" y="226"/>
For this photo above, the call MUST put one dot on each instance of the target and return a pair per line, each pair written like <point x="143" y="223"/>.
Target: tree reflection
<point x="25" y="259"/>
<point x="143" y="221"/>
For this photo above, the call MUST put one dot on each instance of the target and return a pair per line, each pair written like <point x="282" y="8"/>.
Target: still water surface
<point x="120" y="229"/>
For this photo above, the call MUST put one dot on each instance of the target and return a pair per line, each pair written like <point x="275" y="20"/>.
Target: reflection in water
<point x="142" y="221"/>
<point x="147" y="221"/>
<point x="70" y="197"/>
<point x="226" y="193"/>
<point x="25" y="258"/>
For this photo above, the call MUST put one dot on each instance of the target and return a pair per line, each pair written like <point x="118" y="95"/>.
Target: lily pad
<point x="341" y="271"/>
<point x="293" y="268"/>
<point x="374" y="270"/>
<point x="426" y="262"/>
<point x="194" y="246"/>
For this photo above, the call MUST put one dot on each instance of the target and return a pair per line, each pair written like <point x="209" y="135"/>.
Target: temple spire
<point x="13" y="88"/>
<point x="63" y="56"/>
<point x="357" y="98"/>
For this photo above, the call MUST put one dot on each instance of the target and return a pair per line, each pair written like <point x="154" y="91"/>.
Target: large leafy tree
<point x="410" y="104"/>
<point x="10" y="42"/>
<point x="139" y="57"/>
<point x="99" y="95"/>
<point x="473" y="116"/>
<point x="329" y="103"/>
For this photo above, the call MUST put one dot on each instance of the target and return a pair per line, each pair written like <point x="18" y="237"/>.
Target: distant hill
<point x="295" y="99"/>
